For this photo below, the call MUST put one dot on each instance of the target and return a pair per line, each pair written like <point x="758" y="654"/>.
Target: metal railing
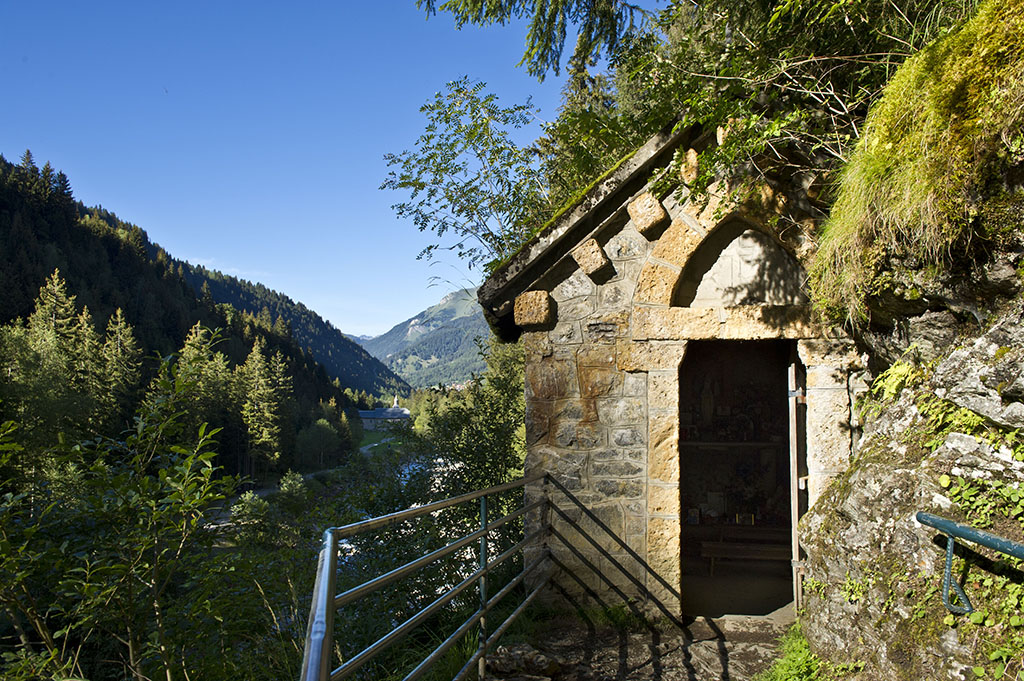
<point x="954" y="530"/>
<point x="317" y="661"/>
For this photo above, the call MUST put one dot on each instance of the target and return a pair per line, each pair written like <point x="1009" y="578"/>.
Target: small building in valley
<point x="384" y="417"/>
<point x="677" y="381"/>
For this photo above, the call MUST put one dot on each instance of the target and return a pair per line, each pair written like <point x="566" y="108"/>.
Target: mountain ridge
<point x="437" y="345"/>
<point x="339" y="354"/>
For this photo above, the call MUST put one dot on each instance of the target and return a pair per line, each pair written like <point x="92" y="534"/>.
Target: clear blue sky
<point x="249" y="136"/>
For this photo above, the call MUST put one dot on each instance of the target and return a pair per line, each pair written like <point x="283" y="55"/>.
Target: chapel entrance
<point x="739" y="445"/>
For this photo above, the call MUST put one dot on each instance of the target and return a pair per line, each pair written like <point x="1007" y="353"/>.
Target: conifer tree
<point x="122" y="363"/>
<point x="87" y="368"/>
<point x="54" y="311"/>
<point x="262" y="396"/>
<point x="208" y="380"/>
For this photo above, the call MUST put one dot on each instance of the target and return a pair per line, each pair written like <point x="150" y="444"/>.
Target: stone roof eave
<point x="605" y="200"/>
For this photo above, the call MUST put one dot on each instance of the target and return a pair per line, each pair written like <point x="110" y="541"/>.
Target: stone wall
<point x="604" y="339"/>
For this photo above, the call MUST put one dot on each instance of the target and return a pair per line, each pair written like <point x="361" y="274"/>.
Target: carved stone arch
<point x="741" y="262"/>
<point x="687" y="244"/>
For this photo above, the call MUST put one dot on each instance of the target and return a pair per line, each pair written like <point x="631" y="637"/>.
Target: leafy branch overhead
<point x="600" y="24"/>
<point x="466" y="179"/>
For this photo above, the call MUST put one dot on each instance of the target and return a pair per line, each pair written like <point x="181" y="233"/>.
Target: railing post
<point x="482" y="662"/>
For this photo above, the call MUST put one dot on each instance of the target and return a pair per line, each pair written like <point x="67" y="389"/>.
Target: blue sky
<point x="249" y="137"/>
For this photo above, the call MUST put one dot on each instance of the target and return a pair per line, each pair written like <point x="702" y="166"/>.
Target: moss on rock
<point x="931" y="179"/>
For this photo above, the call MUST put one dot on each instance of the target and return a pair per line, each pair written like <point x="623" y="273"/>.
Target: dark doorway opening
<point x="735" y="486"/>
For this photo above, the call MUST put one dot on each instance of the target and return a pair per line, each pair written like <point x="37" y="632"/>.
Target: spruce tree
<point x="122" y="362"/>
<point x="262" y="401"/>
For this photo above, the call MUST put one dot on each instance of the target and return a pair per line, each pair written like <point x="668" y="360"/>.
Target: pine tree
<point x="88" y="370"/>
<point x="207" y="381"/>
<point x="262" y="402"/>
<point x="54" y="312"/>
<point x="122" y="361"/>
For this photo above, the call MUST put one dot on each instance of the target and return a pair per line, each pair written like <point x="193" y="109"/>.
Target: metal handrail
<point x="316" y="664"/>
<point x="954" y="530"/>
<point x="369" y="587"/>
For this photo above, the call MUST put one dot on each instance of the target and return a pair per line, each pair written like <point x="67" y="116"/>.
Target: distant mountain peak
<point x="438" y="345"/>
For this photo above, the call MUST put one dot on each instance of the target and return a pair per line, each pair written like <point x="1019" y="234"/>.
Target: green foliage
<point x="110" y="560"/>
<point x="600" y="26"/>
<point x="888" y="385"/>
<point x="467" y="178"/>
<point x="251" y="518"/>
<point x="295" y="324"/>
<point x="933" y="153"/>
<point x="58" y="375"/>
<point x="796" y="661"/>
<point x="478" y="432"/>
<point x="944" y="418"/>
<point x="853" y="590"/>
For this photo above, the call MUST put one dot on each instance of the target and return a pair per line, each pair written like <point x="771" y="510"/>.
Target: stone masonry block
<point x="663" y="499"/>
<point x="607" y="328"/>
<point x="688" y="173"/>
<point x="648" y="356"/>
<point x="589" y="256"/>
<point x="826" y="377"/>
<point x="577" y="309"/>
<point x="828" y="429"/>
<point x="627" y="437"/>
<point x="533" y="308"/>
<point x="579" y="435"/>
<point x="676" y="323"/>
<point x="646" y="212"/>
<point x="611" y="468"/>
<point x="616" y="294"/>
<point x="621" y="411"/>
<point x="840" y="353"/>
<point x="575" y="285"/>
<point x="625" y="245"/>
<point x="566" y="333"/>
<point x="597" y="356"/>
<point x="663" y="548"/>
<point x="626" y="489"/>
<point x="770" y="321"/>
<point x="634" y="385"/>
<point x="663" y="390"/>
<point x="740" y="323"/>
<point x="664" y="448"/>
<point x="677" y="244"/>
<point x="536" y="345"/>
<point x="538" y="415"/>
<point x="656" y="284"/>
<point x="599" y="382"/>
<point x="551" y="379"/>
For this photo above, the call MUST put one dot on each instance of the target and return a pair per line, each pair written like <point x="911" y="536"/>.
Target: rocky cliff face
<point x="945" y="440"/>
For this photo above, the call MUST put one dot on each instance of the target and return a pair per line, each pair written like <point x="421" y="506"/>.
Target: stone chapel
<point x="677" y="381"/>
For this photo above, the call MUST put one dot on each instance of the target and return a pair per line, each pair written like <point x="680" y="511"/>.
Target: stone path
<point x="731" y="648"/>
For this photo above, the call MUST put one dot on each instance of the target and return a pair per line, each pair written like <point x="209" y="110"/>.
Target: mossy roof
<point x="577" y="221"/>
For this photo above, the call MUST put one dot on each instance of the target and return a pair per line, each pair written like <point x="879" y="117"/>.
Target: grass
<point x="796" y="661"/>
<point x="931" y="158"/>
<point x="372" y="437"/>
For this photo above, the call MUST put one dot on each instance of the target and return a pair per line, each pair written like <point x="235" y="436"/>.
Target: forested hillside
<point x="438" y="345"/>
<point x="89" y="306"/>
<point x="339" y="355"/>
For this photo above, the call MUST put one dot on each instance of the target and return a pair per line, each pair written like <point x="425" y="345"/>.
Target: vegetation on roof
<point x="570" y="204"/>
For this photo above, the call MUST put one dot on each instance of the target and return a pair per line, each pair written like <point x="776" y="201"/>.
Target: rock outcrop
<point x="873" y="586"/>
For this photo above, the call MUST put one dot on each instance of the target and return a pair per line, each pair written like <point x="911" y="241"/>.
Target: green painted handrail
<point x="954" y="530"/>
